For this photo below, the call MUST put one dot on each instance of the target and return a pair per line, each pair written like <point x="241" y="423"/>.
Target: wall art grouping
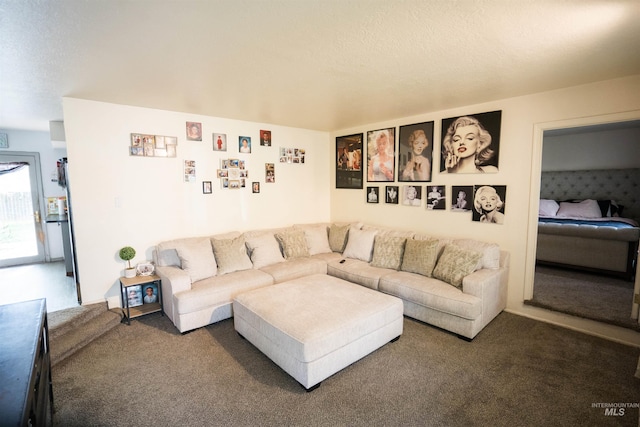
<point x="233" y="173"/>
<point x="144" y="145"/>
<point x="468" y="144"/>
<point x="292" y="155"/>
<point x="485" y="202"/>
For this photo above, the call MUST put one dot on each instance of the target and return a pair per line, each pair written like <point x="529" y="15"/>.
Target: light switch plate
<point x="4" y="140"/>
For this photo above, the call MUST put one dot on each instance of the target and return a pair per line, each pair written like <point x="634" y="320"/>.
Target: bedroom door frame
<point x="536" y="174"/>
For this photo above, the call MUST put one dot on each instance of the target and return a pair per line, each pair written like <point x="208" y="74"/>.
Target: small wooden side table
<point x="140" y="295"/>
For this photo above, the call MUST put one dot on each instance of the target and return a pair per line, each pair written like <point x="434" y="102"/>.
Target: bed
<point x="589" y="220"/>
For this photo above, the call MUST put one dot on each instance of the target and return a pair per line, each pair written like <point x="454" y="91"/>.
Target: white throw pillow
<point x="317" y="239"/>
<point x="360" y="244"/>
<point x="196" y="257"/>
<point x="231" y="255"/>
<point x="548" y="207"/>
<point x="584" y="209"/>
<point x="264" y="250"/>
<point x="490" y="252"/>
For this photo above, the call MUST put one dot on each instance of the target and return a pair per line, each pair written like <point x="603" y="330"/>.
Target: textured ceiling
<point x="323" y="64"/>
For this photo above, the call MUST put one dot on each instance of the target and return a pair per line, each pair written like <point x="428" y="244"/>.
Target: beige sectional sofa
<point x="456" y="284"/>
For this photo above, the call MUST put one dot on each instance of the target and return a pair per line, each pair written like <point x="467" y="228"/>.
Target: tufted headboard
<point x="621" y="185"/>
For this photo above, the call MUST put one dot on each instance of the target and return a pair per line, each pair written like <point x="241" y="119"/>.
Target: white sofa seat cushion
<point x="356" y="271"/>
<point x="219" y="290"/>
<point x="294" y="268"/>
<point x="431" y="293"/>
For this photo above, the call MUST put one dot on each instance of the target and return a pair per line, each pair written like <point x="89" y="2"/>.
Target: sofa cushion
<point x="338" y="237"/>
<point x="196" y="258"/>
<point x="219" y="290"/>
<point x="264" y="250"/>
<point x="420" y="256"/>
<point x="431" y="293"/>
<point x="490" y="252"/>
<point x="294" y="244"/>
<point x="455" y="263"/>
<point x="317" y="239"/>
<point x="388" y="251"/>
<point x="231" y="255"/>
<point x="295" y="268"/>
<point x="360" y="244"/>
<point x="357" y="271"/>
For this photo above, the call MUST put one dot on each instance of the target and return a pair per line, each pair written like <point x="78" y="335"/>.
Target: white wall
<point x="121" y="200"/>
<point x="40" y="142"/>
<point x="520" y="157"/>
<point x="606" y="149"/>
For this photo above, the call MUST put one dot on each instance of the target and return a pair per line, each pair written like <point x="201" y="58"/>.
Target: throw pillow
<point x="455" y="264"/>
<point x="584" y="209"/>
<point x="231" y="255"/>
<point x="490" y="252"/>
<point x="360" y="244"/>
<point x="387" y="251"/>
<point x="317" y="240"/>
<point x="548" y="207"/>
<point x="338" y="237"/>
<point x="294" y="244"/>
<point x="196" y="258"/>
<point x="264" y="250"/>
<point x="420" y="256"/>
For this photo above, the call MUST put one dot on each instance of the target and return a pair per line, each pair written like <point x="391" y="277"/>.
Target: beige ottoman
<point x="314" y="326"/>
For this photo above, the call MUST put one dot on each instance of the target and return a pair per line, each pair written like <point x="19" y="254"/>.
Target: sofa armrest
<point x="174" y="280"/>
<point x="481" y="281"/>
<point x="491" y="287"/>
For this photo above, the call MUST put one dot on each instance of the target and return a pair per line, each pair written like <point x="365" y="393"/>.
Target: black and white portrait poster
<point x="436" y="197"/>
<point x="461" y="198"/>
<point x="471" y="144"/>
<point x="415" y="152"/>
<point x="489" y="203"/>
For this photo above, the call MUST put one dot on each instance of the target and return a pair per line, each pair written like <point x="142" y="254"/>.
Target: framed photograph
<point x="219" y="142"/>
<point x="415" y="152"/>
<point x="150" y="293"/>
<point x="411" y="195"/>
<point x="189" y="171"/>
<point x="381" y="155"/>
<point x="244" y="144"/>
<point x="194" y="131"/>
<point x="265" y="138"/>
<point x="349" y="161"/>
<point x="373" y="194"/>
<point x="471" y="144"/>
<point x="436" y="197"/>
<point x="206" y="187"/>
<point x="489" y="203"/>
<point x="255" y="187"/>
<point x="391" y="194"/>
<point x="134" y="295"/>
<point x="270" y="172"/>
<point x="461" y="198"/>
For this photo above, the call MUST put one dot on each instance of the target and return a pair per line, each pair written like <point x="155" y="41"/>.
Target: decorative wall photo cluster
<point x="152" y="145"/>
<point x="292" y="155"/>
<point x="486" y="202"/>
<point x="469" y="144"/>
<point x="233" y="173"/>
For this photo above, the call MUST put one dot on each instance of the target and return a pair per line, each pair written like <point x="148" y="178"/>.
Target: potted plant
<point x="126" y="254"/>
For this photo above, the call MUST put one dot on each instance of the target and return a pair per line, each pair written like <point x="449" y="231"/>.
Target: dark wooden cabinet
<point x="26" y="390"/>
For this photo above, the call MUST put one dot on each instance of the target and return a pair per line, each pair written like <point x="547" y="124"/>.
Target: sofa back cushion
<point x="231" y="255"/>
<point x="388" y="251"/>
<point x="490" y="252"/>
<point x="420" y="256"/>
<point x="455" y="264"/>
<point x="263" y="249"/>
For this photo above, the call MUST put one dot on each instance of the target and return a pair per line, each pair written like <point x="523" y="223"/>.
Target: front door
<point x="21" y="229"/>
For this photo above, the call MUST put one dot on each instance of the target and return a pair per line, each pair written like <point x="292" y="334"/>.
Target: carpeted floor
<point x="602" y="298"/>
<point x="516" y="372"/>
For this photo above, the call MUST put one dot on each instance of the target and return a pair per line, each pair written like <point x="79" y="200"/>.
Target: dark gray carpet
<point x="517" y="372"/>
<point x="597" y="297"/>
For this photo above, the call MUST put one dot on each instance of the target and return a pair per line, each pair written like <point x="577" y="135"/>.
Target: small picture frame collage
<point x="233" y="173"/>
<point x="143" y="145"/>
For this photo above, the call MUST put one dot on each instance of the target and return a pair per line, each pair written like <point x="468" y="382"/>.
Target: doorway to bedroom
<point x="585" y="150"/>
